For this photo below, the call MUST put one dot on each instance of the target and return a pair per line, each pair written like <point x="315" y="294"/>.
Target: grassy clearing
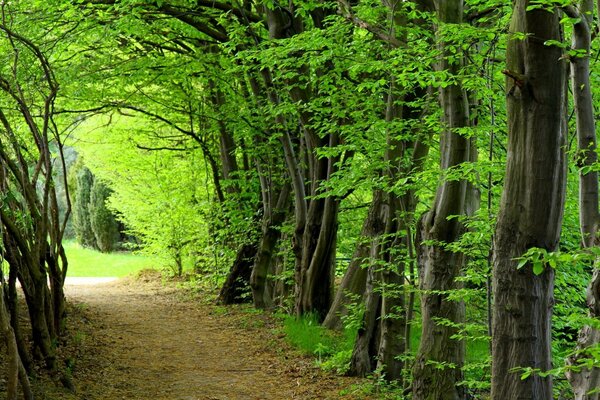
<point x="90" y="263"/>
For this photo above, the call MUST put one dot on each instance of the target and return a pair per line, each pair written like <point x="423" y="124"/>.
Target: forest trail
<point x="141" y="340"/>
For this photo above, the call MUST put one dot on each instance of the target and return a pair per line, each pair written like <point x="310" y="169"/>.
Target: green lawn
<point x="91" y="263"/>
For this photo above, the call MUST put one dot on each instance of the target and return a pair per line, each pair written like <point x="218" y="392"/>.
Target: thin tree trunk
<point x="531" y="207"/>
<point x="13" y="306"/>
<point x="315" y="277"/>
<point x="16" y="370"/>
<point x="362" y="362"/>
<point x="314" y="241"/>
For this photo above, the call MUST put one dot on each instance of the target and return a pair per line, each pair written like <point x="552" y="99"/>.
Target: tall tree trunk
<point x="366" y="345"/>
<point x="585" y="379"/>
<point x="57" y="293"/>
<point x="531" y="207"/>
<point x="13" y="359"/>
<point x="271" y="233"/>
<point x="382" y="338"/>
<point x="438" y="365"/>
<point x="314" y="277"/>
<point x="315" y="233"/>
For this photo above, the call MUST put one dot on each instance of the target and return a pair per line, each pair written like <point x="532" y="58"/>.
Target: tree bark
<point x="271" y="233"/>
<point x="16" y="370"/>
<point x="531" y="207"/>
<point x="236" y="289"/>
<point x="585" y="380"/>
<point x="355" y="279"/>
<point x="438" y="365"/>
<point x="13" y="307"/>
<point x="366" y="345"/>
<point x="314" y="241"/>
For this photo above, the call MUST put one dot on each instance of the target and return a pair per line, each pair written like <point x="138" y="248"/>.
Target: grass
<point x="85" y="262"/>
<point x="332" y="350"/>
<point x="307" y="335"/>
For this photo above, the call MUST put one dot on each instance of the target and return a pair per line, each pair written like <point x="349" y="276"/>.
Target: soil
<point x="143" y="339"/>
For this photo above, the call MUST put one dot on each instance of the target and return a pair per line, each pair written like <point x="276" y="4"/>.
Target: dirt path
<point x="141" y="341"/>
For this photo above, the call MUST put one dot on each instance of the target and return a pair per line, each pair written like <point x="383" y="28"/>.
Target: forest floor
<point x="143" y="339"/>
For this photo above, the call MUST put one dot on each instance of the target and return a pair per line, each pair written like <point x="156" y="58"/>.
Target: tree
<point x="531" y="208"/>
<point x="585" y="379"/>
<point x="32" y="225"/>
<point x="440" y="357"/>
<point x="82" y="215"/>
<point x="102" y="220"/>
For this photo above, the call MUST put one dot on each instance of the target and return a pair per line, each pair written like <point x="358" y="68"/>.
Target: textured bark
<point x="236" y="288"/>
<point x="271" y="233"/>
<point x="392" y="342"/>
<point x="314" y="277"/>
<point x="366" y="345"/>
<point x="382" y="338"/>
<point x="7" y="334"/>
<point x="13" y="307"/>
<point x="439" y="360"/>
<point x="355" y="279"/>
<point x="531" y="207"/>
<point x="33" y="280"/>
<point x="585" y="380"/>
<point x="315" y="218"/>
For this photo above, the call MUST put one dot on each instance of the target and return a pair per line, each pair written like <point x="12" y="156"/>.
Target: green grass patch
<point x="85" y="262"/>
<point x="332" y="350"/>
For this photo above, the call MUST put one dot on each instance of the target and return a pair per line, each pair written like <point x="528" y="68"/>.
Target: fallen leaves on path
<point x="139" y="339"/>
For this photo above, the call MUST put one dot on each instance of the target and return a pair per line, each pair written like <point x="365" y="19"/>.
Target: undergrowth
<point x="332" y="350"/>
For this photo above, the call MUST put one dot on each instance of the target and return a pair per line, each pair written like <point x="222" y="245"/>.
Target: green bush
<point x="83" y="227"/>
<point x="102" y="220"/>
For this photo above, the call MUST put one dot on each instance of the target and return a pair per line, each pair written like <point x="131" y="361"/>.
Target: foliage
<point x="102" y="220"/>
<point x="160" y="196"/>
<point x="83" y="226"/>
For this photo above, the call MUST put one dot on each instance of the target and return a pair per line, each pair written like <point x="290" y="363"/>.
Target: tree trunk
<point x="355" y="278"/>
<point x="12" y="351"/>
<point x="314" y="278"/>
<point x="438" y="365"/>
<point x="13" y="307"/>
<point x="271" y="233"/>
<point x="382" y="338"/>
<point x="366" y="345"/>
<point x="57" y="293"/>
<point x="392" y="342"/>
<point x="586" y="379"/>
<point x="315" y="233"/>
<point x="236" y="289"/>
<point x="531" y="207"/>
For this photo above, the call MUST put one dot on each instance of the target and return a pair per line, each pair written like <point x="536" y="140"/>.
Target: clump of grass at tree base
<point x="331" y="349"/>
